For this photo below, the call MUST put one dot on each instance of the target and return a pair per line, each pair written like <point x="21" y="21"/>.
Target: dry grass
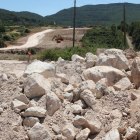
<point x="9" y="56"/>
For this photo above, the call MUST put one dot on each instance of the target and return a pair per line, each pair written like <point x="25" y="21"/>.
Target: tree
<point x="2" y="28"/>
<point x="113" y="29"/>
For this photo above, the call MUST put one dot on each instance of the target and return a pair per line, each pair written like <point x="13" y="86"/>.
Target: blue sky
<point x="49" y="7"/>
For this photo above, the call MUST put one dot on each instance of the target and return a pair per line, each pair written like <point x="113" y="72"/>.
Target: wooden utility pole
<point x="74" y="22"/>
<point x="124" y="28"/>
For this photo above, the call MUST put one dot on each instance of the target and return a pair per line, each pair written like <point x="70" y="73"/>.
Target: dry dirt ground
<point x="43" y="40"/>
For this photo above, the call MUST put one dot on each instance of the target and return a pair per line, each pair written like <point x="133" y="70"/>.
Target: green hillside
<point x="103" y="14"/>
<point x="22" y="18"/>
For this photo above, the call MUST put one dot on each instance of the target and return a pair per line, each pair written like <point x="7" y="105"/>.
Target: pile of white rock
<point x="65" y="100"/>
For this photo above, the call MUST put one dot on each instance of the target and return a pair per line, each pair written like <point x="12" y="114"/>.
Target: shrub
<point x="2" y="44"/>
<point x="6" y="37"/>
<point x="27" y="31"/>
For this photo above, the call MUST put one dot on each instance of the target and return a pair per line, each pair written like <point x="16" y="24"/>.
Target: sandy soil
<point x="44" y="39"/>
<point x="129" y="42"/>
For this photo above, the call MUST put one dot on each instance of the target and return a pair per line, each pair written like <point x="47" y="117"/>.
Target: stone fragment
<point x="4" y="77"/>
<point x="102" y="88"/>
<point x="83" y="135"/>
<point x="76" y="108"/>
<point x="39" y="132"/>
<point x="112" y="135"/>
<point x="30" y="121"/>
<point x="1" y="110"/>
<point x="88" y="97"/>
<point x="75" y="79"/>
<point x="135" y="72"/>
<point x="68" y="96"/>
<point x="79" y="120"/>
<point x="113" y="75"/>
<point x="36" y="85"/>
<point x="35" y="112"/>
<point x="43" y="68"/>
<point x="77" y="58"/>
<point x="81" y="103"/>
<point x="18" y="104"/>
<point x="130" y="133"/>
<point x="63" y="77"/>
<point x="53" y="103"/>
<point x="123" y="84"/>
<point x="56" y="129"/>
<point x="33" y="103"/>
<point x="69" y="88"/>
<point x="22" y="98"/>
<point x="68" y="132"/>
<point x="90" y="60"/>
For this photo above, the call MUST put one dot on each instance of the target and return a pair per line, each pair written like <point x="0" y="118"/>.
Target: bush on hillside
<point x="2" y="44"/>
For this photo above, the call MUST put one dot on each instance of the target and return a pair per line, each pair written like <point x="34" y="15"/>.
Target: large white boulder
<point x="39" y="132"/>
<point x="35" y="112"/>
<point x="106" y="60"/>
<point x="113" y="75"/>
<point x="135" y="72"/>
<point x="77" y="58"/>
<point x="36" y="85"/>
<point x="122" y="62"/>
<point x="112" y="135"/>
<point x="90" y="60"/>
<point x="53" y="103"/>
<point x="43" y="68"/>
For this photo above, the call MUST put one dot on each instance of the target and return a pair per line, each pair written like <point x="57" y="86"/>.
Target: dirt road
<point x="129" y="42"/>
<point x="43" y="39"/>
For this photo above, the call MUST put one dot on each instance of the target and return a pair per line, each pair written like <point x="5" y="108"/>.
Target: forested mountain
<point x="104" y="14"/>
<point x="22" y="18"/>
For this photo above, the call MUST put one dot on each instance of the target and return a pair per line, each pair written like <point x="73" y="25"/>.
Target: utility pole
<point x="74" y="22"/>
<point x="124" y="28"/>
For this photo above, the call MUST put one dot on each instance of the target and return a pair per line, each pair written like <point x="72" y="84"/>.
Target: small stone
<point x="130" y="133"/>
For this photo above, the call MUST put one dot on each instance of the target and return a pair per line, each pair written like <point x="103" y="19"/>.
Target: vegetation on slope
<point x="103" y="14"/>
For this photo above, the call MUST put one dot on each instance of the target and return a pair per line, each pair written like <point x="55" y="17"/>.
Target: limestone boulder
<point x="35" y="112"/>
<point x="88" y="97"/>
<point x="123" y="84"/>
<point x="135" y="72"/>
<point x="69" y="88"/>
<point x="53" y="103"/>
<point x="113" y="75"/>
<point x="4" y="77"/>
<point x="77" y="58"/>
<point x="112" y="135"/>
<point x="39" y="132"/>
<point x="106" y="60"/>
<point x="43" y="68"/>
<point x="122" y="62"/>
<point x="30" y="121"/>
<point x="56" y="129"/>
<point x="36" y="85"/>
<point x="68" y="96"/>
<point x="79" y="121"/>
<point x="19" y="105"/>
<point x="90" y="60"/>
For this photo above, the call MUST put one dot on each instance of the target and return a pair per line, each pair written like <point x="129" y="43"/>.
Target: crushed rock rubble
<point x="91" y="98"/>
